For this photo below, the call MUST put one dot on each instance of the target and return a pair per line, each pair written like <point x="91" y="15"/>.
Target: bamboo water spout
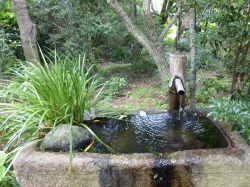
<point x="179" y="86"/>
<point x="177" y="82"/>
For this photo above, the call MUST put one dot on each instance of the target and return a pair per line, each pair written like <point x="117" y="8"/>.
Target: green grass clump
<point x="57" y="92"/>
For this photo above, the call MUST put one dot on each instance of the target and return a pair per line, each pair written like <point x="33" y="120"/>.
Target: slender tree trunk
<point x="158" y="54"/>
<point x="153" y="43"/>
<point x="240" y="56"/>
<point x="135" y="8"/>
<point x="162" y="66"/>
<point x="193" y="56"/>
<point x="178" y="32"/>
<point x="28" y="31"/>
<point x="234" y="79"/>
<point x="164" y="16"/>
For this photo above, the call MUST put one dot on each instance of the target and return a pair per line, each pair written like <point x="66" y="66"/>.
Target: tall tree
<point x="28" y="31"/>
<point x="241" y="54"/>
<point x="227" y="28"/>
<point x="192" y="85"/>
<point x="153" y="43"/>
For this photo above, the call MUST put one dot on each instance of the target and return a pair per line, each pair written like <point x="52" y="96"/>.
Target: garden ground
<point x="143" y="90"/>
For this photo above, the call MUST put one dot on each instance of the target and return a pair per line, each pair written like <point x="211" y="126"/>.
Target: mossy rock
<point x="58" y="139"/>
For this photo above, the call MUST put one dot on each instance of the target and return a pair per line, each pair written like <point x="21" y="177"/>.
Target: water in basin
<point x="158" y="133"/>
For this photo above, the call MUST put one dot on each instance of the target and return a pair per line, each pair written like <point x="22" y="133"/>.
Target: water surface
<point x="158" y="133"/>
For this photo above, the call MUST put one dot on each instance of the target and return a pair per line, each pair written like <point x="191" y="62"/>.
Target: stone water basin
<point x="187" y="154"/>
<point x="165" y="132"/>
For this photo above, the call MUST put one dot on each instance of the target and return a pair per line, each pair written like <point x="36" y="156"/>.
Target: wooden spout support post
<point x="177" y="84"/>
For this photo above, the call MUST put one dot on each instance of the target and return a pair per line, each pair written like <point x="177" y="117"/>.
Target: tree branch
<point x="208" y="6"/>
<point x="165" y="6"/>
<point x="163" y="13"/>
<point x="130" y="26"/>
<point x="149" y="21"/>
<point x="173" y="20"/>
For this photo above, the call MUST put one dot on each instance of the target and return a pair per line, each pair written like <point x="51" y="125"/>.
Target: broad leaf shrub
<point x="236" y="113"/>
<point x="115" y="86"/>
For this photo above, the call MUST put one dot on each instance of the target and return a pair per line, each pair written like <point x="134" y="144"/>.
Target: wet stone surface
<point x="228" y="166"/>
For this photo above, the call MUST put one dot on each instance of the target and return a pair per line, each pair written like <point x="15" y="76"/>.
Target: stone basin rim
<point x="206" y="167"/>
<point x="232" y="147"/>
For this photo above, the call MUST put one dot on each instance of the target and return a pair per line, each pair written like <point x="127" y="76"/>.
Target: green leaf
<point x="2" y="172"/>
<point x="3" y="157"/>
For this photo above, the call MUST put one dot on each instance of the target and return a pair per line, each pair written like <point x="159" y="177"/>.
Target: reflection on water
<point x="158" y="133"/>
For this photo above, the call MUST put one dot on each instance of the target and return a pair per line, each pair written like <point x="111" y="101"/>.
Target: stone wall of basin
<point x="228" y="167"/>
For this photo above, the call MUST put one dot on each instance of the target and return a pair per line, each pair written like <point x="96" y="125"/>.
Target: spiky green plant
<point x="57" y="92"/>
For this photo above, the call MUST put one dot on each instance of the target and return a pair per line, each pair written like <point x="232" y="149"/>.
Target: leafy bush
<point x="213" y="86"/>
<point x="144" y="64"/>
<point x="205" y="59"/>
<point x="237" y="113"/>
<point x="89" y="26"/>
<point x="115" y="86"/>
<point x="10" y="42"/>
<point x="6" y="180"/>
<point x="57" y="91"/>
<point x="184" y="45"/>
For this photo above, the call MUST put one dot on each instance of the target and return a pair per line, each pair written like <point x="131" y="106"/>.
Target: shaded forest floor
<point x="144" y="90"/>
<point x="142" y="93"/>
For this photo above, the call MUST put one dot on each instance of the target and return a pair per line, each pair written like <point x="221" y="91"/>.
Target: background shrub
<point x="236" y="113"/>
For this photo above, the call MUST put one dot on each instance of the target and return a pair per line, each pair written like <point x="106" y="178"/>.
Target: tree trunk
<point x="192" y="86"/>
<point x="158" y="54"/>
<point x="178" y="32"/>
<point x="162" y="66"/>
<point x="28" y="31"/>
<point x="233" y="88"/>
<point x="135" y="8"/>
<point x="240" y="56"/>
<point x="153" y="43"/>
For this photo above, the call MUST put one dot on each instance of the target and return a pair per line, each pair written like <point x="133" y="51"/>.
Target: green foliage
<point x="184" y="45"/>
<point x="237" y="113"/>
<point x="115" y="86"/>
<point x="211" y="87"/>
<point x="10" y="44"/>
<point x="205" y="59"/>
<point x="213" y="83"/>
<point x="3" y="157"/>
<point x="144" y="64"/>
<point x="225" y="28"/>
<point x="70" y="26"/>
<point x="9" y="179"/>
<point x="7" y="15"/>
<point x="55" y="93"/>
<point x="89" y="26"/>
<point x="114" y="69"/>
